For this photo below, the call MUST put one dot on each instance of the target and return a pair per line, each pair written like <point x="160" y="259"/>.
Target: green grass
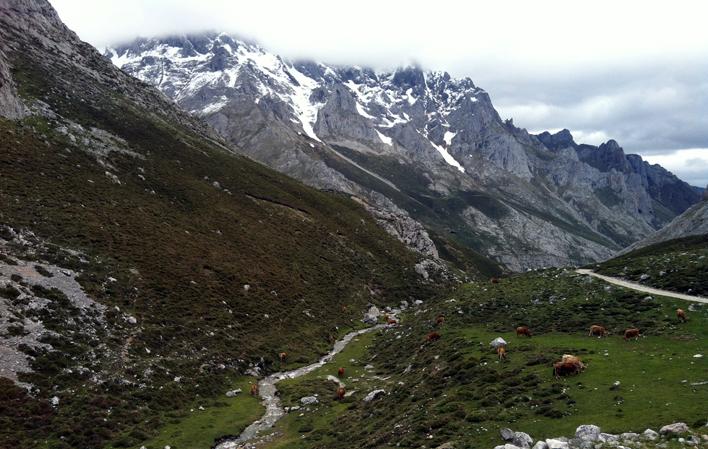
<point x="192" y="428"/>
<point x="457" y="390"/>
<point x="679" y="265"/>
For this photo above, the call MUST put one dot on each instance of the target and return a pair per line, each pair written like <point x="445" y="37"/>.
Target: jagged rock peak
<point x="561" y="139"/>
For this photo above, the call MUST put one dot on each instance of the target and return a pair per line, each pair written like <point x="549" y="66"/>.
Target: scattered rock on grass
<point x="674" y="428"/>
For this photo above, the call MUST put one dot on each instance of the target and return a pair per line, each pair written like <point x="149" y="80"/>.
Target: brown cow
<point x="282" y="356"/>
<point x="569" y="365"/>
<point x="340" y="393"/>
<point x="494" y="280"/>
<point x="501" y="352"/>
<point x="439" y="320"/>
<point x="391" y="322"/>
<point x="433" y="336"/>
<point x="681" y="315"/>
<point x="254" y="389"/>
<point x="632" y="332"/>
<point x="523" y="330"/>
<point x="596" y="330"/>
<point x="340" y="372"/>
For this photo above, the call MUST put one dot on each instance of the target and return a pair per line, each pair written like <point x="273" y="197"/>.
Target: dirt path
<point x="642" y="288"/>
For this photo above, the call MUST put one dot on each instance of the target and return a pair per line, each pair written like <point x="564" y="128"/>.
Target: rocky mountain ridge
<point x="424" y="147"/>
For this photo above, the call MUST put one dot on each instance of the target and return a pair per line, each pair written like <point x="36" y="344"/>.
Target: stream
<point x="271" y="401"/>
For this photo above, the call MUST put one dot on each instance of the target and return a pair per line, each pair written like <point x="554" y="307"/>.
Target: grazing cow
<point x="391" y="321"/>
<point x="254" y="389"/>
<point x="283" y="356"/>
<point x="439" y="320"/>
<point x="494" y="280"/>
<point x="596" y="330"/>
<point x="632" y="332"/>
<point x="433" y="336"/>
<point x="340" y="393"/>
<point x="340" y="372"/>
<point x="523" y="330"/>
<point x="501" y="352"/>
<point x="681" y="315"/>
<point x="569" y="365"/>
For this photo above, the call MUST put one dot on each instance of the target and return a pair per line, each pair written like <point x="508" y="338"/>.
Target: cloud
<point x="605" y="69"/>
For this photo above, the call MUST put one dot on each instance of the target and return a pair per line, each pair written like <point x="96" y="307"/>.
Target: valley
<point x="205" y="245"/>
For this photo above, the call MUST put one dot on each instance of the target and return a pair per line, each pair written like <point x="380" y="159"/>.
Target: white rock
<point x="232" y="393"/>
<point x="556" y="443"/>
<point x="678" y="427"/>
<point x="650" y="434"/>
<point x="588" y="432"/>
<point x="54" y="401"/>
<point x="372" y="315"/>
<point x="607" y="437"/>
<point x="309" y="400"/>
<point x="373" y="395"/>
<point x="540" y="445"/>
<point x="497" y="342"/>
<point x="629" y="436"/>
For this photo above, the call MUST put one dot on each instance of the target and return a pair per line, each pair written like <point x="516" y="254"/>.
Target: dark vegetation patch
<point x="679" y="265"/>
<point x="180" y="252"/>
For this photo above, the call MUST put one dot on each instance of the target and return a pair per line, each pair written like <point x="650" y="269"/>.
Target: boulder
<point x="607" y="438"/>
<point x="557" y="443"/>
<point x="587" y="432"/>
<point x="540" y="445"/>
<point x="372" y="315"/>
<point x="309" y="400"/>
<point x="629" y="436"/>
<point x="497" y="342"/>
<point x="650" y="434"/>
<point x="507" y="446"/>
<point x="232" y="393"/>
<point x="522" y="440"/>
<point x="507" y="434"/>
<point x="373" y="395"/>
<point x="674" y="429"/>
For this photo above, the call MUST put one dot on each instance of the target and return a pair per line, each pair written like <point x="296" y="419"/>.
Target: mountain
<point x="665" y="190"/>
<point x="420" y="148"/>
<point x="145" y="264"/>
<point x="692" y="222"/>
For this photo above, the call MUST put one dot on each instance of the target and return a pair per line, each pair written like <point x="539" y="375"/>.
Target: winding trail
<point x="271" y="401"/>
<point x="642" y="288"/>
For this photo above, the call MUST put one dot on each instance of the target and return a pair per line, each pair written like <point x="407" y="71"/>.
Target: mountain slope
<point x="429" y="147"/>
<point x="693" y="221"/>
<point x="143" y="263"/>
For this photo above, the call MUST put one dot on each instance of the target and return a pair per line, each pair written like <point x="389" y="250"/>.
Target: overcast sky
<point x="634" y="71"/>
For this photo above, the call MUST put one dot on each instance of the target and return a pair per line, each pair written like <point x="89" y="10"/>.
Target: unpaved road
<point x="642" y="288"/>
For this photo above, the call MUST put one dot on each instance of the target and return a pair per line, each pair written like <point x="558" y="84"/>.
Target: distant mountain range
<point x="426" y="153"/>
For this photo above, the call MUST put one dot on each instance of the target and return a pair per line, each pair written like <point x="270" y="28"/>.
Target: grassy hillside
<point x="456" y="390"/>
<point x="222" y="262"/>
<point x="679" y="265"/>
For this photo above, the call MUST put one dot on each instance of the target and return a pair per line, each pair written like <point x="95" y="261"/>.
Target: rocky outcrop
<point x="10" y="104"/>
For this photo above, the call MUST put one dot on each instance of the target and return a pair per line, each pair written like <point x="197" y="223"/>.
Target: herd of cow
<point x="568" y="365"/>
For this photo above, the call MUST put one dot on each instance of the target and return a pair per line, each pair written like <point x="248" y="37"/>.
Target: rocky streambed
<point x="271" y="401"/>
